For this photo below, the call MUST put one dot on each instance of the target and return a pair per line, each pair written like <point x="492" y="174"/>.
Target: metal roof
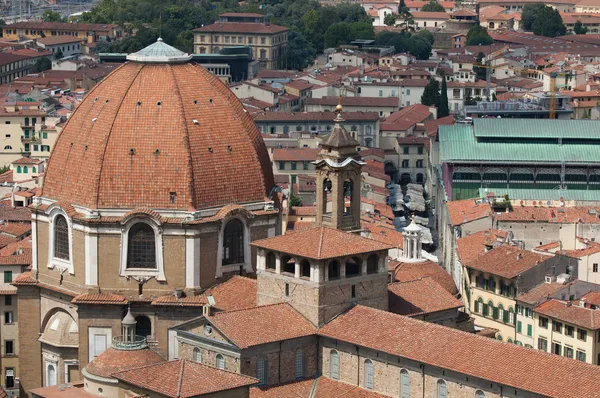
<point x="159" y="52"/>
<point x="543" y="194"/>
<point x="537" y="128"/>
<point x="459" y="144"/>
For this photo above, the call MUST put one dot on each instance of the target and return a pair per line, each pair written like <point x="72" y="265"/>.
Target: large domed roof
<point x="162" y="133"/>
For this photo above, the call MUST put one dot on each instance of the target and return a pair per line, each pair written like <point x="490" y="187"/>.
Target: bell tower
<point x="338" y="179"/>
<point x="412" y="243"/>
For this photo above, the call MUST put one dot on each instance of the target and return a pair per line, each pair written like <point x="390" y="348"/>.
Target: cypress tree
<point x="443" y="107"/>
<point x="431" y="93"/>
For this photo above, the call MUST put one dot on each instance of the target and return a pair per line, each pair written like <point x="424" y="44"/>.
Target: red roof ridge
<point x="180" y="381"/>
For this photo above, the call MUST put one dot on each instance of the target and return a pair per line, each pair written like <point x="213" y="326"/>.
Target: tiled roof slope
<point x="570" y="313"/>
<point x="151" y="129"/>
<point x="421" y="296"/>
<point x="183" y="379"/>
<point x="321" y="387"/>
<point x="406" y="272"/>
<point x="262" y="325"/>
<point x="321" y="243"/>
<point x="113" y="361"/>
<point x="466" y="353"/>
<point x="235" y="294"/>
<point x="464" y="211"/>
<point x="506" y="261"/>
<point x="472" y="246"/>
<point x="540" y="293"/>
<point x="242" y="27"/>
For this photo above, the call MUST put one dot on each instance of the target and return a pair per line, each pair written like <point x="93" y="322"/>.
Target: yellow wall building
<point x="89" y="33"/>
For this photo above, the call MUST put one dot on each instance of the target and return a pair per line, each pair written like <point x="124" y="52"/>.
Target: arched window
<point x="478" y="305"/>
<point x="197" y="355"/>
<point x="220" y="362"/>
<point x="51" y="376"/>
<point x="501" y="312"/>
<point x="419" y="178"/>
<point x="511" y="316"/>
<point x="442" y="390"/>
<point x="299" y="364"/>
<point x="334" y="365"/>
<point x="141" y="250"/>
<point x="369" y="374"/>
<point x="143" y="327"/>
<point x="61" y="238"/>
<point x="499" y="337"/>
<point x="8" y="147"/>
<point x="25" y="169"/>
<point x="353" y="265"/>
<point x="327" y="189"/>
<point x="479" y="394"/>
<point x="491" y="308"/>
<point x="509" y="340"/>
<point x="334" y="270"/>
<point x="372" y="264"/>
<point x="271" y="261"/>
<point x="348" y="194"/>
<point x="233" y="242"/>
<point x="404" y="384"/>
<point x="33" y="170"/>
<point x="305" y="269"/>
<point x="261" y="370"/>
<point x="18" y="169"/>
<point x="288" y="264"/>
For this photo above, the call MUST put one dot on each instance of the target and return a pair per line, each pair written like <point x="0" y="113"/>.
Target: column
<point x="296" y="269"/>
<point x="91" y="258"/>
<point x="192" y="257"/>
<point x="278" y="263"/>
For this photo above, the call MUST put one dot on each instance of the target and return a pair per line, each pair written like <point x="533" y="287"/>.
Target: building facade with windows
<point x="13" y="66"/>
<point x="267" y="42"/>
<point x="89" y="33"/>
<point x="175" y="220"/>
<point x="364" y="126"/>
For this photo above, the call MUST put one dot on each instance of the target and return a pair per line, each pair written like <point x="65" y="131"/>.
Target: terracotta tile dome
<point x="159" y="132"/>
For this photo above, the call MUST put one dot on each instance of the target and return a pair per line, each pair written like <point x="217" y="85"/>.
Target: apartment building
<point x="268" y="43"/>
<point x="13" y="66"/>
<point x="65" y="45"/>
<point x="88" y="33"/>
<point x="22" y="129"/>
<point x="496" y="278"/>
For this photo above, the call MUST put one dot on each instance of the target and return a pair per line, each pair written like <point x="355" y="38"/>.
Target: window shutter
<point x="519" y="327"/>
<point x="529" y="330"/>
<point x="335" y="365"/>
<point x="369" y="374"/>
<point x="405" y="384"/>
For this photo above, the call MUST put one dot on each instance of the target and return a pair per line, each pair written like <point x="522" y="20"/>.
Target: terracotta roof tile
<point x="356" y="101"/>
<point x="406" y="117"/>
<point x="15" y="229"/>
<point x="323" y="117"/>
<point x="261" y="325"/>
<point x="385" y="234"/>
<point x="570" y="313"/>
<point x="27" y="161"/>
<point x="321" y="387"/>
<point x="113" y="361"/>
<point x="406" y="272"/>
<point x="39" y="25"/>
<point x="15" y="214"/>
<point x="552" y="214"/>
<point x="464" y="211"/>
<point x="592" y="298"/>
<point x="194" y="301"/>
<point x="549" y="246"/>
<point x="234" y="294"/>
<point x="183" y="379"/>
<point x="472" y="246"/>
<point x="506" y="261"/>
<point x="303" y="211"/>
<point x="593" y="248"/>
<point x="25" y="279"/>
<point x="540" y="293"/>
<point x="485" y="358"/>
<point x="71" y="390"/>
<point x="321" y="243"/>
<point x="99" y="298"/>
<point x="421" y="296"/>
<point x="213" y="153"/>
<point x="8" y="292"/>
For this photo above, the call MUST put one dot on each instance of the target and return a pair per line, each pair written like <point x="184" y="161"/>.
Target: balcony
<point x="138" y="343"/>
<point x="33" y="138"/>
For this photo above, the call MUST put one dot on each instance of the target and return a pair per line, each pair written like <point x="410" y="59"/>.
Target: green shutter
<point x="519" y="327"/>
<point x="529" y="330"/>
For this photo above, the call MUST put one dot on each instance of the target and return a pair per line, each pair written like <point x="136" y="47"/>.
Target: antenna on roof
<point x="160" y="24"/>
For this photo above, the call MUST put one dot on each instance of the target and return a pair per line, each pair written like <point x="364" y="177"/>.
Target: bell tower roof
<point x="339" y="137"/>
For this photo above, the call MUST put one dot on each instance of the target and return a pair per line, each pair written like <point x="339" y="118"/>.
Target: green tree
<point x="339" y="33"/>
<point x="549" y="23"/>
<point x="300" y="53"/>
<point x="41" y="64"/>
<point x="431" y="93"/>
<point x="389" y="20"/>
<point x="433" y="6"/>
<point x="402" y="8"/>
<point x="425" y="35"/>
<point x="478" y="35"/>
<point x="295" y="200"/>
<point x="58" y="54"/>
<point x="579" y="29"/>
<point x="443" y="107"/>
<point x="481" y="72"/>
<point x="51" y="16"/>
<point x="419" y="47"/>
<point x="470" y="100"/>
<point x="529" y="14"/>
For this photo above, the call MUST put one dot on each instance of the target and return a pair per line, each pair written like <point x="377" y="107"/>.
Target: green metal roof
<point x="537" y="128"/>
<point x="458" y="143"/>
<point x="543" y="194"/>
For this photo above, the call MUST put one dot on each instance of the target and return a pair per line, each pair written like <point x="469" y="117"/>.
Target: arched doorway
<point x="143" y="326"/>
